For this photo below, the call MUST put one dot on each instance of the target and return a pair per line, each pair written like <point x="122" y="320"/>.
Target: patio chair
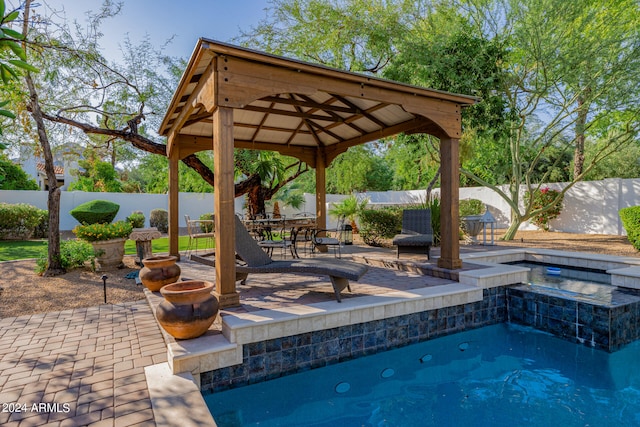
<point x="416" y="236"/>
<point x="257" y="261"/>
<point x="195" y="230"/>
<point x="328" y="237"/>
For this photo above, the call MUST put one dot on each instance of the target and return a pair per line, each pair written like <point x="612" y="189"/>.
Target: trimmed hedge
<point x="631" y="221"/>
<point x="159" y="218"/>
<point x="136" y="219"/>
<point x="379" y="224"/>
<point x="95" y="212"/>
<point x="19" y="221"/>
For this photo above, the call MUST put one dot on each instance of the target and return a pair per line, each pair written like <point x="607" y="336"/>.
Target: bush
<point x="73" y="254"/>
<point x="159" y="218"/>
<point x="470" y="207"/>
<point x="101" y="232"/>
<point x="19" y="221"/>
<point x="136" y="219"/>
<point x="631" y="222"/>
<point x="207" y="227"/>
<point x="95" y="212"/>
<point x="434" y="206"/>
<point x="13" y="177"/>
<point x="42" y="229"/>
<point x="379" y="224"/>
<point x="542" y="198"/>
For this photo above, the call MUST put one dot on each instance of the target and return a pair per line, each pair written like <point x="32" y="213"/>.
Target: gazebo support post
<point x="449" y="204"/>
<point x="321" y="194"/>
<point x="174" y="191"/>
<point x="224" y="207"/>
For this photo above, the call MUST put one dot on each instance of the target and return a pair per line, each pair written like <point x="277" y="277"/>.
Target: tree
<point x="359" y="169"/>
<point x="562" y="90"/>
<point x="97" y="175"/>
<point x="12" y="177"/>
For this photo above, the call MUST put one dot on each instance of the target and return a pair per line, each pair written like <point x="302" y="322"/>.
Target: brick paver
<point x="79" y="367"/>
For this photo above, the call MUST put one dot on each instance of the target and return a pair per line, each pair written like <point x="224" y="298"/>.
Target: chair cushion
<point x="413" y="239"/>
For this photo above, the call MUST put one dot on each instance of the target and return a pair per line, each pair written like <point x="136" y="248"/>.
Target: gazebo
<point x="232" y="97"/>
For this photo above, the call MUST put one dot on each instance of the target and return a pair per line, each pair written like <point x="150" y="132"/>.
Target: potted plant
<point x="107" y="239"/>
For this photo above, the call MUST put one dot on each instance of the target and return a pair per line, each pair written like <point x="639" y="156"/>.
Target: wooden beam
<point x="449" y="205"/>
<point x="333" y="151"/>
<point x="224" y="208"/>
<point x="174" y="194"/>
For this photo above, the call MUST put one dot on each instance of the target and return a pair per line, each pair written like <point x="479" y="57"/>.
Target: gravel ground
<point x="26" y="293"/>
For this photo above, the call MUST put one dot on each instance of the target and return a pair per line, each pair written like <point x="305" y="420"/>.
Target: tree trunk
<point x="54" y="264"/>
<point x="578" y="155"/>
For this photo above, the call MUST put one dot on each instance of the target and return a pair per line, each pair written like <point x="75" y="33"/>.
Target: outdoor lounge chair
<point x="417" y="235"/>
<point x="257" y="261"/>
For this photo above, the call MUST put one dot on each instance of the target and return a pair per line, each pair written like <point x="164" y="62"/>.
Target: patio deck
<point x="112" y="365"/>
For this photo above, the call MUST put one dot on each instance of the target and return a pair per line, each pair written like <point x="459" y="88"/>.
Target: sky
<point x="187" y="20"/>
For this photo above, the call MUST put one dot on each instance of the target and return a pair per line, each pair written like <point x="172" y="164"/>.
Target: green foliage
<point x="348" y="208"/>
<point x="159" y="218"/>
<point x="12" y="177"/>
<point x="98" y="176"/>
<point x="95" y="211"/>
<point x="544" y="198"/>
<point x="42" y="229"/>
<point x="359" y="169"/>
<point x="18" y="221"/>
<point x="207" y="227"/>
<point x="101" y="231"/>
<point x="379" y="224"/>
<point x="470" y="207"/>
<point x="73" y="254"/>
<point x="136" y="219"/>
<point x="434" y="206"/>
<point x="11" y="48"/>
<point x="631" y="221"/>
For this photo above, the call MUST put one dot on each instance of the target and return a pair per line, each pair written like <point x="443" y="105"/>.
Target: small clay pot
<point x="189" y="308"/>
<point x="159" y="271"/>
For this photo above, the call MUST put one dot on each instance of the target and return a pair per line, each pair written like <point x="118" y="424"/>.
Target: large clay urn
<point x="109" y="253"/>
<point x="159" y="271"/>
<point x="188" y="309"/>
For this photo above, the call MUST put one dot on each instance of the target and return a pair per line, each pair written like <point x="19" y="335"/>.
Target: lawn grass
<point x="24" y="249"/>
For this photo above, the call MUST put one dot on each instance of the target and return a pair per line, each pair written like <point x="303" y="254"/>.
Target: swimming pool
<point x="500" y="375"/>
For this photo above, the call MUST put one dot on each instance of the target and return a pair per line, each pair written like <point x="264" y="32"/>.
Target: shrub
<point x="13" y="177"/>
<point x="100" y="232"/>
<point x="159" y="218"/>
<point x="73" y="254"/>
<point x="379" y="224"/>
<point x="470" y="207"/>
<point x="631" y="222"/>
<point x="41" y="230"/>
<point x="136" y="219"/>
<point x="543" y="198"/>
<point x="207" y="227"/>
<point x="18" y="221"/>
<point x="434" y="206"/>
<point x="95" y="212"/>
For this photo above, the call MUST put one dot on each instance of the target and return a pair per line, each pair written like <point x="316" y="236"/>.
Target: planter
<point x="109" y="253"/>
<point x="472" y="226"/>
<point x="159" y="271"/>
<point x="188" y="310"/>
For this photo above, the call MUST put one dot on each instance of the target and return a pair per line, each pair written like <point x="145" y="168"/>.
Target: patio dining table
<point x="265" y="230"/>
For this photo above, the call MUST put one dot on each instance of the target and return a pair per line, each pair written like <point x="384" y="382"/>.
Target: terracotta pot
<point x="109" y="253"/>
<point x="189" y="308"/>
<point x="159" y="271"/>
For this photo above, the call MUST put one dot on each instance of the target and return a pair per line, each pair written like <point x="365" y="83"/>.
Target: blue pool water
<point x="501" y="375"/>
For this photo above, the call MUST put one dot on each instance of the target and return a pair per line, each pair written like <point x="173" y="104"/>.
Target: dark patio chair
<point x="417" y="235"/>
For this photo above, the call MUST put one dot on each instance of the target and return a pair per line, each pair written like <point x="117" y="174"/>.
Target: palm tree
<point x="349" y="208"/>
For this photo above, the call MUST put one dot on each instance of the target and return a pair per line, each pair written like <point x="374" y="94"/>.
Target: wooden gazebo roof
<point x="235" y="97"/>
<point x="296" y="108"/>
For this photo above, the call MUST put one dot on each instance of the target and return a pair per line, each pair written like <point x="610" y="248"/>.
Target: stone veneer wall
<point x="271" y="359"/>
<point x="606" y="328"/>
